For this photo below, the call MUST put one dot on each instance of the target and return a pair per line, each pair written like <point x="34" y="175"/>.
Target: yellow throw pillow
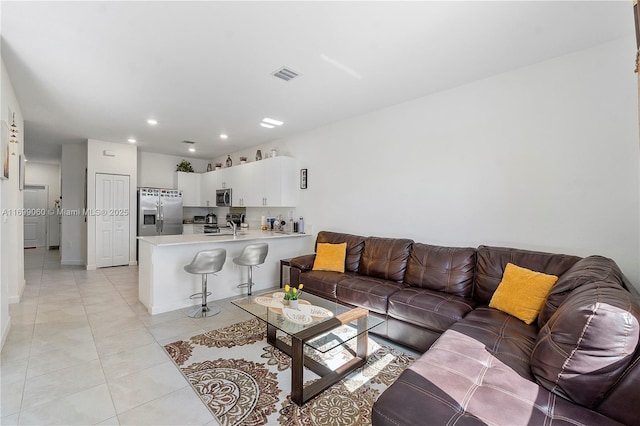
<point x="330" y="257"/>
<point x="522" y="292"/>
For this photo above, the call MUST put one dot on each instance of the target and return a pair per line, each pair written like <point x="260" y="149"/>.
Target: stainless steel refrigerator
<point x="159" y="211"/>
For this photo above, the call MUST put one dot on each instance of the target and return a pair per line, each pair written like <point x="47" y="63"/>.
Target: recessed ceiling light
<point x="223" y="136"/>
<point x="152" y="121"/>
<point x="268" y="126"/>
<point x="192" y="150"/>
<point x="131" y="140"/>
<point x="272" y="121"/>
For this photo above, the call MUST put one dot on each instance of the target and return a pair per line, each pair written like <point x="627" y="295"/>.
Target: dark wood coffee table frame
<point x="301" y="394"/>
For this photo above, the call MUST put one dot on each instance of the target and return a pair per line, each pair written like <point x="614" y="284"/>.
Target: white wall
<point x="544" y="158"/>
<point x="44" y="174"/>
<point x="158" y="170"/>
<point x="73" y="231"/>
<point x="11" y="201"/>
<point x="123" y="161"/>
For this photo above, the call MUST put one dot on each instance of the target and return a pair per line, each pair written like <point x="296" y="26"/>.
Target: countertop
<point x="172" y="240"/>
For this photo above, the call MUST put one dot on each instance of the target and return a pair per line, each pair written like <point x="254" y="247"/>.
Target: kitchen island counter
<point x="223" y="236"/>
<point x="165" y="286"/>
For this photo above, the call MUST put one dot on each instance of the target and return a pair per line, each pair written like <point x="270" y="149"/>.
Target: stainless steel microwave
<point x="223" y="197"/>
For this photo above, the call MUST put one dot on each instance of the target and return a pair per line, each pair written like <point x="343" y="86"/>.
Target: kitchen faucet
<point x="234" y="227"/>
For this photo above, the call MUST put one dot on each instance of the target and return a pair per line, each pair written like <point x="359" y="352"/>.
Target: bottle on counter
<point x="301" y="225"/>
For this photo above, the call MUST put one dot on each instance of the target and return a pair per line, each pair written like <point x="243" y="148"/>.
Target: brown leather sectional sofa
<point x="579" y="363"/>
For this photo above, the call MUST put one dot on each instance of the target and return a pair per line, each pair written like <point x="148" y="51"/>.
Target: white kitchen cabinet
<point x="208" y="185"/>
<point x="272" y="182"/>
<point x="276" y="182"/>
<point x="189" y="184"/>
<point x="225" y="177"/>
<point x="244" y="185"/>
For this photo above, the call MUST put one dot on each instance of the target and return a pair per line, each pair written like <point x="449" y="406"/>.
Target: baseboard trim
<point x="5" y="332"/>
<point x="18" y="297"/>
<point x="91" y="267"/>
<point x="72" y="262"/>
<point x="133" y="263"/>
<point x="168" y="307"/>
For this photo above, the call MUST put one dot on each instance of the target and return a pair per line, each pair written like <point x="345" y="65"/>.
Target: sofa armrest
<point x="304" y="262"/>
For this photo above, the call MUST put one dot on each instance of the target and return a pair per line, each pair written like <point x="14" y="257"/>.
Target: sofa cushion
<point x="330" y="257"/>
<point x="460" y="380"/>
<point x="385" y="258"/>
<point x="587" y="343"/>
<point x="504" y="336"/>
<point x="323" y="283"/>
<point x="446" y="269"/>
<point x="434" y="310"/>
<point x="492" y="261"/>
<point x="367" y="292"/>
<point x="522" y="292"/>
<point x="355" y="245"/>
<point x="590" y="269"/>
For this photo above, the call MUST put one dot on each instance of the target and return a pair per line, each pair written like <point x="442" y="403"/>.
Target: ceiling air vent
<point x="189" y="142"/>
<point x="285" y="74"/>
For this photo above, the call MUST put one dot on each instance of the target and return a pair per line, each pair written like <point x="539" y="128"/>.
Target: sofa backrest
<point x="355" y="245"/>
<point x="446" y="269"/>
<point x="593" y="269"/>
<point x="492" y="261"/>
<point x="385" y="258"/>
<point x="587" y="350"/>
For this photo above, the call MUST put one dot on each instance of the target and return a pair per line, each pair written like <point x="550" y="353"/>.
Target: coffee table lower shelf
<point x="301" y="394"/>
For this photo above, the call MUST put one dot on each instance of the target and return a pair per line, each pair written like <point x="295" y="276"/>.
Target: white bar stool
<point x="203" y="263"/>
<point x="252" y="255"/>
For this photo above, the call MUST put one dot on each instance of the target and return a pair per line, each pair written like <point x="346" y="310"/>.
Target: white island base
<point x="165" y="286"/>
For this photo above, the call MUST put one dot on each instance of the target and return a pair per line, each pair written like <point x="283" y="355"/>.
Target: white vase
<point x="293" y="304"/>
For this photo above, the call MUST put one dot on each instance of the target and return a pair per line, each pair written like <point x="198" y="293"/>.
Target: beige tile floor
<point x="83" y="350"/>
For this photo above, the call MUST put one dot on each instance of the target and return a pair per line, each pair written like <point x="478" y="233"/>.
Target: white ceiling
<point x="100" y="69"/>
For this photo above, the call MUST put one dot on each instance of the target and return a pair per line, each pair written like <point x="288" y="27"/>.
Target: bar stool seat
<point x="205" y="262"/>
<point x="252" y="255"/>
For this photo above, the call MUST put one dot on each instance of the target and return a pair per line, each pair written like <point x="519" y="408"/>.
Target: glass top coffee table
<point x="312" y="325"/>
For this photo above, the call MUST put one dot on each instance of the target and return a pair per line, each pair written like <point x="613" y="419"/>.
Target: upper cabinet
<point x="208" y="186"/>
<point x="272" y="182"/>
<point x="189" y="183"/>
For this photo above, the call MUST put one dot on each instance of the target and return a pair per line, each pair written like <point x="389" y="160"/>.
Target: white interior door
<point x="112" y="220"/>
<point x="35" y="218"/>
<point x="120" y="242"/>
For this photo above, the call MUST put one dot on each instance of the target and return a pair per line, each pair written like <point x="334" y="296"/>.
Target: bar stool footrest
<point x="198" y="295"/>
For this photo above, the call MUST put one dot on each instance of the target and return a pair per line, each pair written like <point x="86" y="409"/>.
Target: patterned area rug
<point x="245" y="381"/>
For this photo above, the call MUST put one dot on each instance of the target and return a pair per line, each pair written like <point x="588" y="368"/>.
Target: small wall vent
<point x="286" y="74"/>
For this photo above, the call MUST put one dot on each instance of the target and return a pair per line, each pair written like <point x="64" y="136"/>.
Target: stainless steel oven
<point x="223" y="197"/>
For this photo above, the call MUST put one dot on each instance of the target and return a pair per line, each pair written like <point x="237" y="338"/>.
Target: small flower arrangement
<point x="292" y="293"/>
